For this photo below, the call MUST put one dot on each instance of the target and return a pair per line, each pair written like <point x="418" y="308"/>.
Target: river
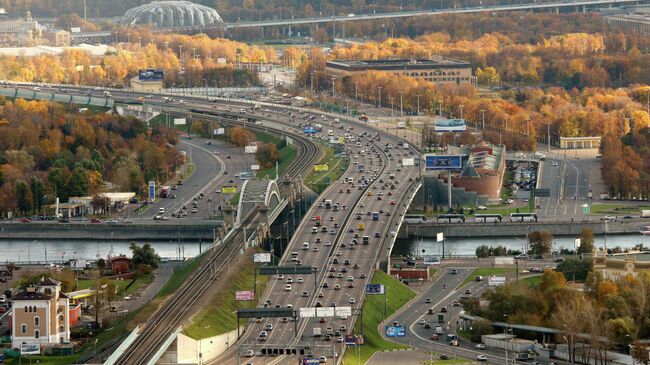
<point x="467" y="247"/>
<point x="61" y="250"/>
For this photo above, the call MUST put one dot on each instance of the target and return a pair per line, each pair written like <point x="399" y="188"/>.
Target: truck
<point x="361" y="168"/>
<point x="645" y="213"/>
<point x="401" y="125"/>
<point x="330" y="132"/>
<point x="318" y="221"/>
<point x="257" y="106"/>
<point x="405" y="146"/>
<point x="441" y="318"/>
<point x="317" y="332"/>
<point x="328" y="204"/>
<point x="164" y="191"/>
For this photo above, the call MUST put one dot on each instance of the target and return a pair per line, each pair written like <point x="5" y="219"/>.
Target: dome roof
<point x="171" y="13"/>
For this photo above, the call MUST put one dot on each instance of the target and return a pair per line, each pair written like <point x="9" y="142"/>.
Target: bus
<point x="523" y="217"/>
<point x="450" y="218"/>
<point x="414" y="218"/>
<point x="485" y="218"/>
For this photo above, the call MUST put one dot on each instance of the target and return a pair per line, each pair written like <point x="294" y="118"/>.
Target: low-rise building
<point x="439" y="70"/>
<point x="40" y="314"/>
<point x="57" y="37"/>
<point x="617" y="267"/>
<point x="119" y="265"/>
<point x="16" y="30"/>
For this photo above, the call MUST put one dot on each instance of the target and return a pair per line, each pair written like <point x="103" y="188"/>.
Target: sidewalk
<point x="162" y="275"/>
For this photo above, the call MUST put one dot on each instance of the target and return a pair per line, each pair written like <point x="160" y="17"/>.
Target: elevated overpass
<point x="556" y="6"/>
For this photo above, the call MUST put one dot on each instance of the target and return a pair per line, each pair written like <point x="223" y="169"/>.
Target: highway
<point x="577" y="4"/>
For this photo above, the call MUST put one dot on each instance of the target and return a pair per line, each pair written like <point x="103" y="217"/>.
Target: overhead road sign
<point x="180" y="121"/>
<point x="496" y="280"/>
<point x="443" y="162"/>
<point x="275" y="270"/>
<point x="265" y="313"/>
<point x="450" y="125"/>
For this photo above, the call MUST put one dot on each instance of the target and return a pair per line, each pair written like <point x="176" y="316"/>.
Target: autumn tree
<point x="541" y="242"/>
<point x="586" y="241"/>
<point x="267" y="155"/>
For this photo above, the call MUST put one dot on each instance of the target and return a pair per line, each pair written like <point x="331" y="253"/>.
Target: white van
<point x="305" y="245"/>
<point x="161" y="210"/>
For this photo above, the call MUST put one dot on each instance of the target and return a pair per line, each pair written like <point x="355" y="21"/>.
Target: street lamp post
<point x="379" y="104"/>
<point x="401" y="105"/>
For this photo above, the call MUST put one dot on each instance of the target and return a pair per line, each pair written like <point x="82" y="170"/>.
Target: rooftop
<point x="481" y="159"/>
<point x="393" y="64"/>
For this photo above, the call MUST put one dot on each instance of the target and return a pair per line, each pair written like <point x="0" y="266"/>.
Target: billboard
<point x="151" y="74"/>
<point x="33" y="348"/>
<point x="229" y="190"/>
<point x="450" y="125"/>
<point x="75" y="29"/>
<point x="250" y="149"/>
<point x="496" y="280"/>
<point x="255" y="167"/>
<point x="262" y="257"/>
<point x="443" y="162"/>
<point x="375" y="289"/>
<point x="395" y="331"/>
<point x="308" y="312"/>
<point x="321" y="167"/>
<point x="244" y="295"/>
<point x="219" y="131"/>
<point x="432" y="260"/>
<point x="180" y="121"/>
<point x="152" y="190"/>
<point x="401" y="125"/>
<point x="310" y="361"/>
<point x="440" y="237"/>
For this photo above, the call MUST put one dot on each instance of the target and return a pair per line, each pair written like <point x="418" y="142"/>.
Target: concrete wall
<point x="434" y="191"/>
<point x="131" y="232"/>
<point x="188" y="349"/>
<point x="470" y="229"/>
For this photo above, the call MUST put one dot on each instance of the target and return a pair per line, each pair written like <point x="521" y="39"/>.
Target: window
<point x="36" y="321"/>
<point x="23" y="328"/>
<point x="48" y="291"/>
<point x="25" y="309"/>
<point x="37" y="333"/>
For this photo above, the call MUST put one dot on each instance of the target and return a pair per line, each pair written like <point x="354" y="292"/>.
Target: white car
<point x="287" y="287"/>
<point x="481" y="357"/>
<point x="479" y="346"/>
<point x="481" y="207"/>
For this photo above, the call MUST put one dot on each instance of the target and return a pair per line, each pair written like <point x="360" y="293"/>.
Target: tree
<point x="482" y="251"/>
<point x="24" y="197"/>
<point x="267" y="155"/>
<point x="541" y="242"/>
<point x="144" y="256"/>
<point x="575" y="269"/>
<point x="79" y="182"/>
<point x="586" y="241"/>
<point x="100" y="203"/>
<point x="320" y="36"/>
<point x="240" y="137"/>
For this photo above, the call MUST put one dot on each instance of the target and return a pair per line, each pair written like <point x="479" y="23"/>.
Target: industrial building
<point x="18" y="31"/>
<point x="439" y="70"/>
<point x="636" y="18"/>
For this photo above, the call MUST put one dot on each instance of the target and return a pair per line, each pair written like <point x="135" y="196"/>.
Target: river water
<point x="61" y="250"/>
<point x="467" y="246"/>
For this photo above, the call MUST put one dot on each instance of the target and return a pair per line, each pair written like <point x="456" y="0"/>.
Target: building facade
<point x="57" y="37"/>
<point x="17" y="31"/>
<point x="41" y="314"/>
<point x="438" y="70"/>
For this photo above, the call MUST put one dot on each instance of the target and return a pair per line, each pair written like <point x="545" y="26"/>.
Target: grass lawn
<point x="486" y="271"/>
<point x="397" y="294"/>
<point x="181" y="273"/>
<point x="532" y="281"/>
<point x="121" y="284"/>
<point x="217" y="316"/>
<point x="287" y="155"/>
<point x="615" y="209"/>
<point x="336" y="166"/>
<point x="43" y="360"/>
<point x="432" y="272"/>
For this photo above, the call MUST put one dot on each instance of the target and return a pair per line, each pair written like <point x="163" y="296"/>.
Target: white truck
<point x="401" y="125"/>
<point x="645" y="213"/>
<point x="317" y="332"/>
<point x="405" y="146"/>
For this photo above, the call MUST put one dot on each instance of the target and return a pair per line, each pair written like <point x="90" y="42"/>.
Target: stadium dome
<point x="171" y="13"/>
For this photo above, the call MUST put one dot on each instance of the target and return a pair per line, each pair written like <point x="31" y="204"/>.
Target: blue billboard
<point x="443" y="162"/>
<point x="151" y="74"/>
<point x="450" y="125"/>
<point x="152" y="190"/>
<point x="374" y="289"/>
<point x="395" y="331"/>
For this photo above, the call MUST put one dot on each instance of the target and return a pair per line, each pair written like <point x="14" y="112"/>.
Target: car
<point x="281" y="277"/>
<point x="352" y="301"/>
<point x="479" y="346"/>
<point x="481" y="207"/>
<point x="337" y="287"/>
<point x="428" y="300"/>
<point x="468" y="291"/>
<point x="287" y="287"/>
<point x="422" y="322"/>
<point x="95" y="220"/>
<point x="289" y="280"/>
<point x="25" y="220"/>
<point x="434" y="337"/>
<point x="628" y="217"/>
<point x="443" y="309"/>
<point x="325" y="285"/>
<point x="362" y="275"/>
<point x="427" y="326"/>
<point x="481" y="358"/>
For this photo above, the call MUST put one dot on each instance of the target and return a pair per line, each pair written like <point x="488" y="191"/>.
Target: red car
<point x="392" y="202"/>
<point x="3" y="309"/>
<point x="25" y="220"/>
<point x="95" y="220"/>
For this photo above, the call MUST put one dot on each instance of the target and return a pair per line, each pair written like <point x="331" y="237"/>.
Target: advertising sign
<point x="443" y="162"/>
<point x="321" y="167"/>
<point x="401" y="125"/>
<point x="496" y="280"/>
<point x="262" y="257"/>
<point x="395" y="331"/>
<point x="152" y="190"/>
<point x="576" y="243"/>
<point x="75" y="29"/>
<point x="33" y="348"/>
<point x="229" y="190"/>
<point x="440" y="237"/>
<point x="255" y="167"/>
<point x="310" y="361"/>
<point x="250" y="149"/>
<point x="450" y="125"/>
<point x="220" y="131"/>
<point x="307" y="312"/>
<point x="180" y="121"/>
<point x="432" y="260"/>
<point x="375" y="289"/>
<point x="151" y="74"/>
<point x="244" y="295"/>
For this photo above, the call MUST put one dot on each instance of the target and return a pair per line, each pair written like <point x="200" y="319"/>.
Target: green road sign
<point x="274" y="270"/>
<point x="265" y="313"/>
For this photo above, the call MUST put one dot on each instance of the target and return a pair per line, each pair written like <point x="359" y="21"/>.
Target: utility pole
<point x="333" y="84"/>
<point x="461" y="106"/>
<point x="312" y="81"/>
<point x="356" y="84"/>
<point x="401" y="105"/>
<point x="548" y="135"/>
<point x="418" y="96"/>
